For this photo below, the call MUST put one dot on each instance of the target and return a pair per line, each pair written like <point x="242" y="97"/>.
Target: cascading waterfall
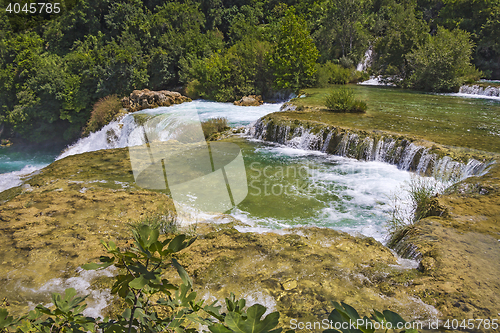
<point x="478" y="90"/>
<point x="397" y="151"/>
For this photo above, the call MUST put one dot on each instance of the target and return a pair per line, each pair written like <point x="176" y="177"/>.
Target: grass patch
<point x="342" y="100"/>
<point x="416" y="201"/>
<point x="213" y="126"/>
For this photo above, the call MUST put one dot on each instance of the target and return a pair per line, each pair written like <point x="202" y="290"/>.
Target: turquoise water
<point x="18" y="161"/>
<point x="290" y="187"/>
<point x="16" y="158"/>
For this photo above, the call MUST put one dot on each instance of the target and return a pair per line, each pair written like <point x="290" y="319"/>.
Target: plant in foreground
<point x="342" y="100"/>
<point x="154" y="304"/>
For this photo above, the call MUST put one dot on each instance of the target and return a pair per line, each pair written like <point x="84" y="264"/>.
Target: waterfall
<point x="366" y="61"/>
<point x="398" y="151"/>
<point x="478" y="90"/>
<point x="113" y="135"/>
<point x="130" y="130"/>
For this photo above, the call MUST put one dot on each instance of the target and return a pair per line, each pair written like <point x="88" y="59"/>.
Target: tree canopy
<point x="55" y="66"/>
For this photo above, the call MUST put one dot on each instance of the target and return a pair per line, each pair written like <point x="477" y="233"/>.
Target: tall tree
<point x="400" y="30"/>
<point x="294" y="54"/>
<point x="442" y="63"/>
<point x="342" y="32"/>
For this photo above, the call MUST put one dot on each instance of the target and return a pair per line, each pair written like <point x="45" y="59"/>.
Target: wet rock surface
<point x="54" y="223"/>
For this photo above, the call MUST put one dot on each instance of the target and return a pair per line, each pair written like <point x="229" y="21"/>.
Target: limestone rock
<point x="250" y="100"/>
<point x="427" y="265"/>
<point x="289" y="284"/>
<point x="144" y="99"/>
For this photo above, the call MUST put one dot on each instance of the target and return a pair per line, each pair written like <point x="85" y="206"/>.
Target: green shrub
<point x="342" y="100"/>
<point x="346" y="62"/>
<point x="358" y="76"/>
<point x="193" y="89"/>
<point x="421" y="193"/>
<point x="228" y="75"/>
<point x="442" y="63"/>
<point x="103" y="113"/>
<point x="213" y="126"/>
<point x="330" y="73"/>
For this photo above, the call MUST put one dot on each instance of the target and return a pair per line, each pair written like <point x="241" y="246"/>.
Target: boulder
<point x="250" y="100"/>
<point x="144" y="99"/>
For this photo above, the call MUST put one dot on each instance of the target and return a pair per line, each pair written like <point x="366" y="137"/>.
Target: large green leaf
<point x="219" y="328"/>
<point x="182" y="273"/>
<point x="252" y="323"/>
<point x="5" y="319"/>
<point x="70" y="302"/>
<point x="393" y="318"/>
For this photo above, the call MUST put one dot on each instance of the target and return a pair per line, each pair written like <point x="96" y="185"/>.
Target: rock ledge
<point x="145" y="99"/>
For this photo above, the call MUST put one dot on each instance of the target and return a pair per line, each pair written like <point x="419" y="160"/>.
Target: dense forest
<point x="54" y="67"/>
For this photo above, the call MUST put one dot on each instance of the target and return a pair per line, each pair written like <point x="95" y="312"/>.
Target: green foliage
<point x="294" y="54"/>
<point x="103" y="113"/>
<point x="175" y="310"/>
<point x="54" y="68"/>
<point x="141" y="278"/>
<point x="421" y="193"/>
<point x="345" y="315"/>
<point x="330" y="73"/>
<point x="342" y="32"/>
<point x="227" y="76"/>
<point x="442" y="64"/>
<point x="342" y="100"/>
<point x="402" y="30"/>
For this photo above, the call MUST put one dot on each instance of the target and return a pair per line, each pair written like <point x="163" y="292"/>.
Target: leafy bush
<point x="103" y="113"/>
<point x="442" y="64"/>
<point x="294" y="54"/>
<point x="213" y="126"/>
<point x="140" y="280"/>
<point x="227" y="76"/>
<point x="344" y="315"/>
<point x="342" y="100"/>
<point x="330" y="73"/>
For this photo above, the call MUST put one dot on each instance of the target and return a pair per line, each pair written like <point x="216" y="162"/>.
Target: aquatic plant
<point x="342" y="100"/>
<point x="422" y="203"/>
<point x="213" y="126"/>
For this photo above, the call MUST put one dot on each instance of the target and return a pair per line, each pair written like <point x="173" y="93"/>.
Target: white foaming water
<point x="366" y="61"/>
<point x="98" y="300"/>
<point x="14" y="178"/>
<point x="375" y="81"/>
<point x="467" y="95"/>
<point x="123" y="132"/>
<point x="346" y="194"/>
